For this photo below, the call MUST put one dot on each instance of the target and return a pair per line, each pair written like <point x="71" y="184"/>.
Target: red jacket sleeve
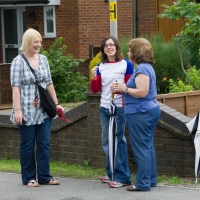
<point x="127" y="77"/>
<point x="95" y="84"/>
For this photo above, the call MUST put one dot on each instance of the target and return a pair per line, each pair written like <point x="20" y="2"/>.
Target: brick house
<point x="81" y="23"/>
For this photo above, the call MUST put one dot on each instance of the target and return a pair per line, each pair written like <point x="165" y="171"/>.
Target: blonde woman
<point x="33" y="123"/>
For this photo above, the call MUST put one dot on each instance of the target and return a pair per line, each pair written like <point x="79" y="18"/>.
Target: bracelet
<point x="17" y="109"/>
<point x="126" y="91"/>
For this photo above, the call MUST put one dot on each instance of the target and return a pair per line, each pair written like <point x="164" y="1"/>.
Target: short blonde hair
<point x="141" y="51"/>
<point x="28" y="37"/>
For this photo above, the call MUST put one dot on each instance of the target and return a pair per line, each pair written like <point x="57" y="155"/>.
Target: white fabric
<point x="190" y="125"/>
<point x="110" y="73"/>
<point x="112" y="144"/>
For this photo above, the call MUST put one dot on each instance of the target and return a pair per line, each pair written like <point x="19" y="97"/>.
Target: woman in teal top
<point x="142" y="112"/>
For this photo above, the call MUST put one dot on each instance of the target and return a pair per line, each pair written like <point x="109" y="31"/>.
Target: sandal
<point x="33" y="183"/>
<point x="53" y="182"/>
<point x="132" y="188"/>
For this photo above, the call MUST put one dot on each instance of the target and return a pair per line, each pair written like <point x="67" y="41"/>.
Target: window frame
<point x="46" y="34"/>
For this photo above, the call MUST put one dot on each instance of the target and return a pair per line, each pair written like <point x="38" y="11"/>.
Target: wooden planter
<point x="187" y="103"/>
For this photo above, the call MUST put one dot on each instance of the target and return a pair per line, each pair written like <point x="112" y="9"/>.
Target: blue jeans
<point x="122" y="171"/>
<point x="29" y="135"/>
<point x="141" y="131"/>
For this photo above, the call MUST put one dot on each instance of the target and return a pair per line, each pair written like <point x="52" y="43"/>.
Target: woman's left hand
<point x="118" y="87"/>
<point x="60" y="107"/>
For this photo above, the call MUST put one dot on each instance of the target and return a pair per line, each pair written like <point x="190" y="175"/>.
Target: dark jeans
<point x="29" y="136"/>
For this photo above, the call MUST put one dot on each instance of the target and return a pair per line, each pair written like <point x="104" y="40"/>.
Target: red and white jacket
<point x="108" y="73"/>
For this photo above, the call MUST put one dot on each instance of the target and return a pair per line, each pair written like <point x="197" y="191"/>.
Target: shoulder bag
<point x="46" y="101"/>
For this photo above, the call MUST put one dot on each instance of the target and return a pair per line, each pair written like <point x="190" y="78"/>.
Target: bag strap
<point x="24" y="57"/>
<point x="59" y="111"/>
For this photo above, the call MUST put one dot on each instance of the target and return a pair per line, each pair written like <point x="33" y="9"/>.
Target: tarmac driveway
<point x="77" y="189"/>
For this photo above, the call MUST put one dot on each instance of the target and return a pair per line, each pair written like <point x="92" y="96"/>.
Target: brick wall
<point x="9" y="143"/>
<point x="146" y="17"/>
<point x="66" y="24"/>
<point x="174" y="155"/>
<point x="81" y="140"/>
<point x="85" y="22"/>
<point x="70" y="144"/>
<point x="94" y="22"/>
<point x="5" y="88"/>
<point x="84" y="68"/>
<point x="125" y="18"/>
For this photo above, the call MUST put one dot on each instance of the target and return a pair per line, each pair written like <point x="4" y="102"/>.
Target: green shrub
<point x="194" y="49"/>
<point x="194" y="75"/>
<point x="179" y="86"/>
<point x="94" y="62"/>
<point x="123" y="44"/>
<point x="184" y="86"/>
<point x="167" y="61"/>
<point x="69" y="84"/>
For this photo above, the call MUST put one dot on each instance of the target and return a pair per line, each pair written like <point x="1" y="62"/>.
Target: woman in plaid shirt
<point x="34" y="124"/>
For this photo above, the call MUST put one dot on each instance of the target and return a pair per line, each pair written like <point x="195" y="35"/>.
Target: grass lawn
<point x="86" y="172"/>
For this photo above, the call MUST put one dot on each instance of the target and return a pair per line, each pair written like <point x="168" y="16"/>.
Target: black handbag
<point x="46" y="101"/>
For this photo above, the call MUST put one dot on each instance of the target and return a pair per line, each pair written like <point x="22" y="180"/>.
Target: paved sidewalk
<point x="77" y="189"/>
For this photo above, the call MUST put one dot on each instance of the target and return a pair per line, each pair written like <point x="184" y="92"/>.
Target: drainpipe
<point x="134" y="24"/>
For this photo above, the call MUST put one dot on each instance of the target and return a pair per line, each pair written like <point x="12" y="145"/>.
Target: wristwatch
<point x="126" y="91"/>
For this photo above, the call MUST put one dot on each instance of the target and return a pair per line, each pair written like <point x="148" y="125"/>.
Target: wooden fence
<point x="166" y="27"/>
<point x="187" y="103"/>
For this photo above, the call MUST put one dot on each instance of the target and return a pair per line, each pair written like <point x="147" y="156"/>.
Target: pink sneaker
<point x="116" y="184"/>
<point x="104" y="179"/>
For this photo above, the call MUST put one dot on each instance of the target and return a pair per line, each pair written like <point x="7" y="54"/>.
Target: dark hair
<point x="119" y="56"/>
<point x="141" y="51"/>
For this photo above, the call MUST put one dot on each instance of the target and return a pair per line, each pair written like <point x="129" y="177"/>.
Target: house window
<point x="49" y="22"/>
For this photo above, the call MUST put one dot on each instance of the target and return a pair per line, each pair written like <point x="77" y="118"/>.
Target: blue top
<point x="135" y="105"/>
<point x="22" y="77"/>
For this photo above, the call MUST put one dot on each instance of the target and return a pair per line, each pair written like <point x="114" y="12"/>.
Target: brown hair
<point x="141" y="51"/>
<point x="118" y="56"/>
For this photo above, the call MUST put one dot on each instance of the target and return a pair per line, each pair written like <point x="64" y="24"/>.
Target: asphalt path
<point x="11" y="188"/>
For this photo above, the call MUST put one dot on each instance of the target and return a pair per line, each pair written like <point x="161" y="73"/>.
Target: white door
<point x="13" y="27"/>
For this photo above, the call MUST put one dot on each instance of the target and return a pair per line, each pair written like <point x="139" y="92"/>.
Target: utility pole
<point x="113" y="18"/>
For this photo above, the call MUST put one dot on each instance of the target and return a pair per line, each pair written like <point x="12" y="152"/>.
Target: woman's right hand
<point x="94" y="71"/>
<point x="18" y="117"/>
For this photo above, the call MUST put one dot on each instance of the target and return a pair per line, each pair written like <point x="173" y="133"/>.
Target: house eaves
<point x="17" y="2"/>
<point x="11" y="3"/>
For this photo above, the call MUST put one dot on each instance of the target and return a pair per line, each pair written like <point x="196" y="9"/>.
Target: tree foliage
<point x="189" y="12"/>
